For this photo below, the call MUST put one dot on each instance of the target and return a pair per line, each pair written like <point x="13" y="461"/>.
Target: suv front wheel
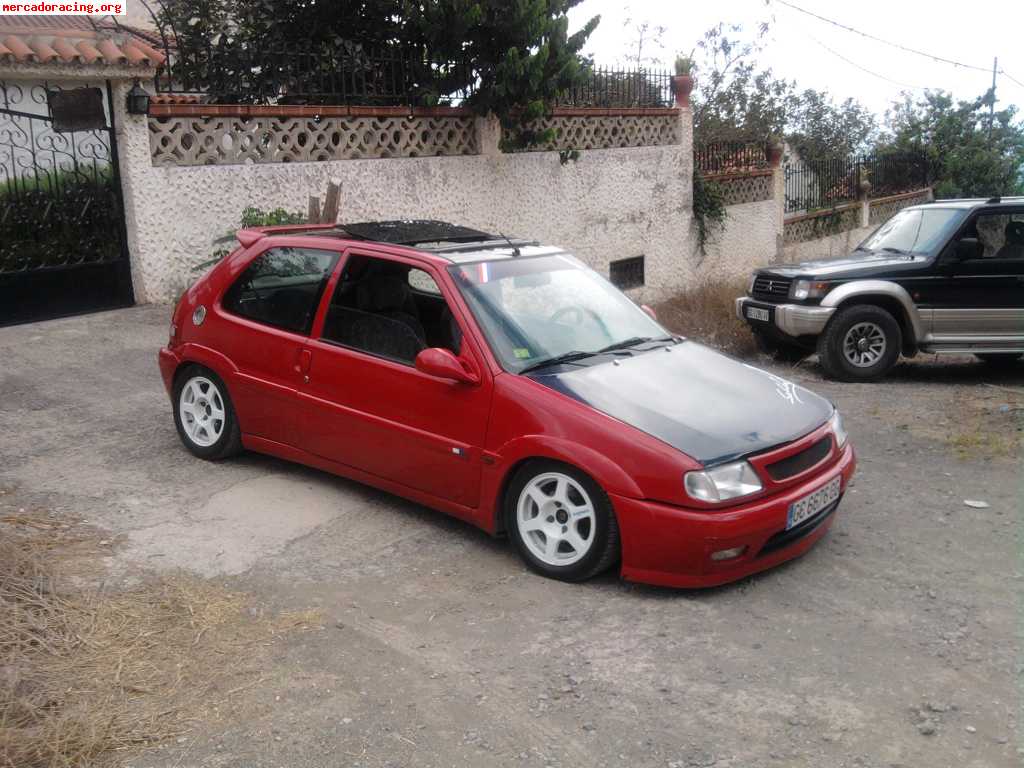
<point x="860" y="343"/>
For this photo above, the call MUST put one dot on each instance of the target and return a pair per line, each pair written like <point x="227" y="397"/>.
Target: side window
<point x="389" y="309"/>
<point x="282" y="287"/>
<point x="1002" y="236"/>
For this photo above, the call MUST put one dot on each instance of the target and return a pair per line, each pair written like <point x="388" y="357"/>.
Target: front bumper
<point x="672" y="546"/>
<point x="791" y="319"/>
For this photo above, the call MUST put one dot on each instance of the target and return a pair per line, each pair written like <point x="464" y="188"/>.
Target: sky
<point x="818" y="55"/>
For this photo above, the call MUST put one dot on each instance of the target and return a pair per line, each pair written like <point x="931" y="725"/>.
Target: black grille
<point x="799" y="462"/>
<point x="771" y="288"/>
<point x="793" y="535"/>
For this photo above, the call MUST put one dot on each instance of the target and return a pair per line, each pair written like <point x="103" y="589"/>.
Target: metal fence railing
<point x="730" y="156"/>
<point x="814" y="184"/>
<point x="603" y="87"/>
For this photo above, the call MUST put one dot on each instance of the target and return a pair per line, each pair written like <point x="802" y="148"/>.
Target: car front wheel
<point x="860" y="343"/>
<point x="561" y="521"/>
<point x="203" y="414"/>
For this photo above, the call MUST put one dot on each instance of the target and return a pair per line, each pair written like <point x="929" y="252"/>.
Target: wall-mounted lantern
<point x="138" y="100"/>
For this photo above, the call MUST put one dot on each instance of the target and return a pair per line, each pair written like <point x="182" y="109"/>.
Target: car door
<point x="261" y="324"/>
<point x="367" y="406"/>
<point x="982" y="296"/>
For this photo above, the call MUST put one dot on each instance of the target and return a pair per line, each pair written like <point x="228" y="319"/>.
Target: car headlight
<point x="836" y="423"/>
<point x="728" y="481"/>
<point x="808" y="289"/>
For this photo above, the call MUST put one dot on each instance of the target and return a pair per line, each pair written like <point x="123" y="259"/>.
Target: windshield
<point x="914" y="230"/>
<point x="534" y="309"/>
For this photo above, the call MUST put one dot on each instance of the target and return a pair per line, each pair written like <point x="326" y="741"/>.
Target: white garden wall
<point x="607" y="205"/>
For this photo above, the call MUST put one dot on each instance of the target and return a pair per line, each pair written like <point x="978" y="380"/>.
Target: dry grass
<point x="707" y="313"/>
<point x="85" y="673"/>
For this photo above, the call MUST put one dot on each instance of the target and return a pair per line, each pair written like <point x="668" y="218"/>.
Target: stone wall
<point x="607" y="205"/>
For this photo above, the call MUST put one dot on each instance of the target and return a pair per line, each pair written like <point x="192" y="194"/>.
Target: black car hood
<point x="707" y="405"/>
<point x="863" y="265"/>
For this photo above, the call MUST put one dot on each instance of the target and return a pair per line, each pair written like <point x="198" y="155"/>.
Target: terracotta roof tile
<point x="74" y="40"/>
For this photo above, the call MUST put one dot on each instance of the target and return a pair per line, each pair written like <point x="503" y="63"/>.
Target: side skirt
<point x="289" y="453"/>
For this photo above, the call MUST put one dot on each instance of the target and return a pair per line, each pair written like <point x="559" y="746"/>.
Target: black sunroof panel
<point x="412" y="231"/>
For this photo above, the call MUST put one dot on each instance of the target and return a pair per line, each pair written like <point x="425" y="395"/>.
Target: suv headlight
<point x="728" y="481"/>
<point x="808" y="289"/>
<point x="836" y="423"/>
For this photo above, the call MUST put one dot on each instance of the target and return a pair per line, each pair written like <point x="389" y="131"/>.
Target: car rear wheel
<point x="860" y="343"/>
<point x="203" y="414"/>
<point x="1000" y="359"/>
<point x="561" y="521"/>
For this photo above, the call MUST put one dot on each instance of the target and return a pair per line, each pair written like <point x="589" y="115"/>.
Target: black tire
<point x="229" y="441"/>
<point x="604" y="550"/>
<point x="831" y="353"/>
<point x="1000" y="359"/>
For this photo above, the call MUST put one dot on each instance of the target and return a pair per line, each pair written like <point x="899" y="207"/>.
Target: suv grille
<point x="800" y="462"/>
<point x="771" y="288"/>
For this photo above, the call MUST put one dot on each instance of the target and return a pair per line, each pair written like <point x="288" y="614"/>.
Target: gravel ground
<point x="893" y="643"/>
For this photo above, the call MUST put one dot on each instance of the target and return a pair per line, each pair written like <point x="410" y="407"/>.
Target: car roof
<point x="448" y="243"/>
<point x="971" y="203"/>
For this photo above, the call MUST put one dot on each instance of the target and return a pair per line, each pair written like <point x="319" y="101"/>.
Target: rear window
<point x="282" y="287"/>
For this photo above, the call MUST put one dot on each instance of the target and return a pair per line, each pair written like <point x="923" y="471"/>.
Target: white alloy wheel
<point x="202" y="411"/>
<point x="556" y="519"/>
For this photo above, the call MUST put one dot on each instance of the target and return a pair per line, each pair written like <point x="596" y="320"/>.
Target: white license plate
<point x="756" y="313"/>
<point x="813" y="503"/>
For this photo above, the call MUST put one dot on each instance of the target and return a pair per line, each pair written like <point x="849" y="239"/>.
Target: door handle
<point x="303" y="363"/>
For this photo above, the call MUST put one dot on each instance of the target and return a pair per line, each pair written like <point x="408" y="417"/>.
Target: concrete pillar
<point x="488" y="135"/>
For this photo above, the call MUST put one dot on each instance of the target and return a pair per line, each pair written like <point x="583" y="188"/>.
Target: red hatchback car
<point x="507" y="384"/>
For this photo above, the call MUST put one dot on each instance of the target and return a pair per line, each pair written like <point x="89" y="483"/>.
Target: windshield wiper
<point x="567" y="357"/>
<point x="899" y="251"/>
<point x="632" y="342"/>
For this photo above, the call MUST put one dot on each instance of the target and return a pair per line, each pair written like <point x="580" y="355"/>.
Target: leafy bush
<point x="709" y="209"/>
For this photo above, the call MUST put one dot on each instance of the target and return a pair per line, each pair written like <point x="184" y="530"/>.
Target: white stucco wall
<point x="609" y="204"/>
<point x="749" y="239"/>
<point x="831" y="247"/>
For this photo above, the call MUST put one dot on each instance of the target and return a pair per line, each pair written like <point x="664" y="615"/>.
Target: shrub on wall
<point x="709" y="211"/>
<point x="251" y="217"/>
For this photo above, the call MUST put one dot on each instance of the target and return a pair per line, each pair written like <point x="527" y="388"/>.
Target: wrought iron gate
<point x="62" y="230"/>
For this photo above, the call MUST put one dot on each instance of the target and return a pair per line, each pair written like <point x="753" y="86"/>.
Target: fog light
<point x="728" y="554"/>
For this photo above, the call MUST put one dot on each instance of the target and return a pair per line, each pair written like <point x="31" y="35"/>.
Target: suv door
<point x="365" y="403"/>
<point x="261" y="323"/>
<point x="982" y="296"/>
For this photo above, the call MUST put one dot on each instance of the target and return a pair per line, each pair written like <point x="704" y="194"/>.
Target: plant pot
<point x="682" y="87"/>
<point x="865" y="188"/>
<point x="773" y="152"/>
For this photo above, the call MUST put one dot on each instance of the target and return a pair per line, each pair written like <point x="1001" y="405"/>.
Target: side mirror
<point x="442" y="364"/>
<point x="968" y="248"/>
<point x="650" y="312"/>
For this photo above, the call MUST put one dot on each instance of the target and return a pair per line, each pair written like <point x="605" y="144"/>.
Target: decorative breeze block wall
<point x="744" y="188"/>
<point x="813" y="226"/>
<point x="607" y="131"/>
<point x="209" y="140"/>
<point x="883" y="209"/>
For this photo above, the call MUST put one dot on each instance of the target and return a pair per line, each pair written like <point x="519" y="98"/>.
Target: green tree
<point x="818" y="127"/>
<point x="968" y="153"/>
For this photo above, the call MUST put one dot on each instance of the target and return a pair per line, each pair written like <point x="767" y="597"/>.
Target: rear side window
<point x="282" y="287"/>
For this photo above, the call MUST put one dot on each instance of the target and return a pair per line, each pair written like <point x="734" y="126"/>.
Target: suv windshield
<point x="538" y="308"/>
<point x="914" y="230"/>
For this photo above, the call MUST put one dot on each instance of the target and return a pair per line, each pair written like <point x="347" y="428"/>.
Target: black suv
<point x="946" y="276"/>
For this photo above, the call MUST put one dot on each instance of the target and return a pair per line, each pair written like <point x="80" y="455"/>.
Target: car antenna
<point x="515" y="248"/>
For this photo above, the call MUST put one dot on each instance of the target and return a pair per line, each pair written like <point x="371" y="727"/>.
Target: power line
<point x="1010" y="77"/>
<point x="865" y="69"/>
<point x="886" y="42"/>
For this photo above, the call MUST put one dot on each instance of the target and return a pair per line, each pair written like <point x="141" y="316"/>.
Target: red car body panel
<point x="453" y="446"/>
